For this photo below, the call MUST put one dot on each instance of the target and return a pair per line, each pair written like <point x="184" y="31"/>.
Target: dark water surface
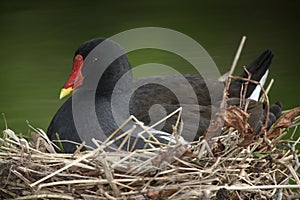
<point x="38" y="39"/>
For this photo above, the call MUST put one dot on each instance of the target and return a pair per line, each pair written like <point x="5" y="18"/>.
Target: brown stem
<point x="265" y="125"/>
<point x="245" y="88"/>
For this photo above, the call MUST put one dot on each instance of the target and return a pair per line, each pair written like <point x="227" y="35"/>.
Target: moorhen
<point x="104" y="97"/>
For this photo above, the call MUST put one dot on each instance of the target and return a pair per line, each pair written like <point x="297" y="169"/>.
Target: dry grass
<point x="179" y="171"/>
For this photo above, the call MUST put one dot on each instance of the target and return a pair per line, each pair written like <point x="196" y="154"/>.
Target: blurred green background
<point x="38" y="39"/>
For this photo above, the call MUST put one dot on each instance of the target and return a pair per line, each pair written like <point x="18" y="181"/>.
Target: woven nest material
<point x="266" y="168"/>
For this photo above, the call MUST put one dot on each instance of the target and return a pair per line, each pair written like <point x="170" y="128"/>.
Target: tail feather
<point x="258" y="69"/>
<point x="274" y="114"/>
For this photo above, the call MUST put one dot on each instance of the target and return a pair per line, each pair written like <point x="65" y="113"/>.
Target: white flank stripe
<point x="256" y="93"/>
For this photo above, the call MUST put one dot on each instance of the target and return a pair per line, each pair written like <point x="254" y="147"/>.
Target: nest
<point x="263" y="169"/>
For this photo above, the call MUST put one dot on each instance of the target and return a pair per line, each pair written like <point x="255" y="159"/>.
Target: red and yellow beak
<point x="65" y="92"/>
<point x="75" y="79"/>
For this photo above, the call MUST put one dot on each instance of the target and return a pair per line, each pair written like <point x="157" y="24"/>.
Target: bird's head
<point x="76" y="77"/>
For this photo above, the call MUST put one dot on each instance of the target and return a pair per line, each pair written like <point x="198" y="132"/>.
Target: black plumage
<point x="144" y="97"/>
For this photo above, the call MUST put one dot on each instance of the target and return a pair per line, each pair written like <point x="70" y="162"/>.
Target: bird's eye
<point x="95" y="60"/>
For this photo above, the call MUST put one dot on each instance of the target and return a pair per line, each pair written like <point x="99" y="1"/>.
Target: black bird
<point x="104" y="97"/>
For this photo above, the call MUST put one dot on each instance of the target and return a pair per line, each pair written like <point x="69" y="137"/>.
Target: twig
<point x="243" y="98"/>
<point x="48" y="196"/>
<point x="262" y="98"/>
<point x="5" y="121"/>
<point x="267" y="106"/>
<point x="109" y="177"/>
<point x="216" y="125"/>
<point x="90" y="154"/>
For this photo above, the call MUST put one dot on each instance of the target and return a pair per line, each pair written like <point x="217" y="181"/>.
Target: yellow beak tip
<point x="65" y="92"/>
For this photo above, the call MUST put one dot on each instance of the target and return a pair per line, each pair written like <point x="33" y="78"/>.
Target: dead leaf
<point x="284" y="121"/>
<point x="237" y="118"/>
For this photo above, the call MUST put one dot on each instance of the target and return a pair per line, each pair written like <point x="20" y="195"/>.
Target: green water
<point x="38" y="39"/>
